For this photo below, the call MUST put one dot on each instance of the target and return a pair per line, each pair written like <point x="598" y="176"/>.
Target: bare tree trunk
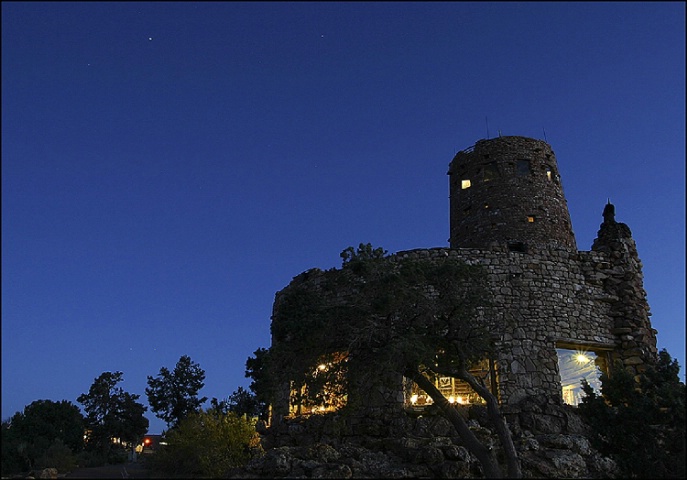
<point x="497" y="420"/>
<point x="486" y="457"/>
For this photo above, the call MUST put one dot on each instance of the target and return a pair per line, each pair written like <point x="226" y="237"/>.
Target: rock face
<point x="336" y="446"/>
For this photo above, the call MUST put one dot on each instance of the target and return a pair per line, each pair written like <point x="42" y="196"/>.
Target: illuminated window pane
<point x="575" y="365"/>
<point x="465" y="184"/>
<point x="454" y="390"/>
<point x="530" y="218"/>
<point x="548" y="174"/>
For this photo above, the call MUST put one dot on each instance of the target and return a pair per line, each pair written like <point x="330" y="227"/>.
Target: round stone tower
<point x="506" y="192"/>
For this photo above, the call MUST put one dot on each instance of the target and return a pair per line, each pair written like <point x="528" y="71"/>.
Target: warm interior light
<point x="413" y="399"/>
<point x="465" y="184"/>
<point x="451" y="399"/>
<point x="322" y="366"/>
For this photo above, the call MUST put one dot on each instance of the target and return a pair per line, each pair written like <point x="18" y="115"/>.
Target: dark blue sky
<point x="168" y="167"/>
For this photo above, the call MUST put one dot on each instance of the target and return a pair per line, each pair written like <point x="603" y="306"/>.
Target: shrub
<point x="208" y="443"/>
<point x="640" y="422"/>
<point x="58" y="456"/>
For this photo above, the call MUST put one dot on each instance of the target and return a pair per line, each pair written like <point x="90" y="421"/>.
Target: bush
<point x="58" y="456"/>
<point x="640" y="422"/>
<point x="208" y="443"/>
<point x="45" y="431"/>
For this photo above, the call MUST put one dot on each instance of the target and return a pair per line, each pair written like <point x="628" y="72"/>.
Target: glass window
<point x="465" y="184"/>
<point x="575" y="365"/>
<point x="523" y="167"/>
<point x="456" y="391"/>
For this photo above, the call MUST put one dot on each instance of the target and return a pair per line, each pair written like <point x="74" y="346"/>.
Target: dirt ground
<point x="125" y="470"/>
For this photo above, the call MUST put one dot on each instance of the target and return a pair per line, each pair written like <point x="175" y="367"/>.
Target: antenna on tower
<point x="542" y="129"/>
<point x="486" y="119"/>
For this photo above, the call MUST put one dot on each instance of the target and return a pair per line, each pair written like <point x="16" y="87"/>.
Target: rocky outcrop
<point x="334" y="446"/>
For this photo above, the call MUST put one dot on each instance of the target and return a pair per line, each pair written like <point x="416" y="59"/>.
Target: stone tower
<point x="556" y="313"/>
<point x="507" y="192"/>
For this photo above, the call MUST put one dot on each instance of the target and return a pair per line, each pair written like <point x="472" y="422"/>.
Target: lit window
<point x="548" y="174"/>
<point x="465" y="184"/>
<point x="530" y="218"/>
<point x="575" y="365"/>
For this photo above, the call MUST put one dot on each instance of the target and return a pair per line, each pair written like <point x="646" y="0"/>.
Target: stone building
<point x="561" y="313"/>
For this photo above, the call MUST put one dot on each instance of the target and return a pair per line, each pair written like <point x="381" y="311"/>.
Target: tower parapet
<point x="507" y="192"/>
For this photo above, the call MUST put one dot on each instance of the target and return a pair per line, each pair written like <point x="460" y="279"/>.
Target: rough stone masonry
<point x="509" y="215"/>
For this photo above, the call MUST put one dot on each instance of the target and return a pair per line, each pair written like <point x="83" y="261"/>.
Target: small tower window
<point x="517" y="247"/>
<point x="465" y="184"/>
<point x="490" y="171"/>
<point x="550" y="175"/>
<point x="523" y="167"/>
<point x="531" y="218"/>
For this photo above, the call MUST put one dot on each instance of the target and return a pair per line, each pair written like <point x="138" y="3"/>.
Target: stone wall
<point x="545" y="299"/>
<point x="623" y="280"/>
<point x="541" y="299"/>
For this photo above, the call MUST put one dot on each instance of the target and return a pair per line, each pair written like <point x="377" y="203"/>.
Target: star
<point x="150" y="39"/>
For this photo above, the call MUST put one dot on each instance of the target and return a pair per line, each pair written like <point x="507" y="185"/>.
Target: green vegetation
<point x="56" y="434"/>
<point x="640" y="422"/>
<point x="406" y="317"/>
<point x="45" y="434"/>
<point x="111" y="413"/>
<point x="242" y="403"/>
<point x="174" y="395"/>
<point x="207" y="444"/>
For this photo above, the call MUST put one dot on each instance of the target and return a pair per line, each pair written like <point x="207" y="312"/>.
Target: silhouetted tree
<point x="112" y="413"/>
<point x="174" y="395"/>
<point x="29" y="435"/>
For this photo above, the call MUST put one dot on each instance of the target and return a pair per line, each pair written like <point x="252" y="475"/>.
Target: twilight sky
<point x="168" y="167"/>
